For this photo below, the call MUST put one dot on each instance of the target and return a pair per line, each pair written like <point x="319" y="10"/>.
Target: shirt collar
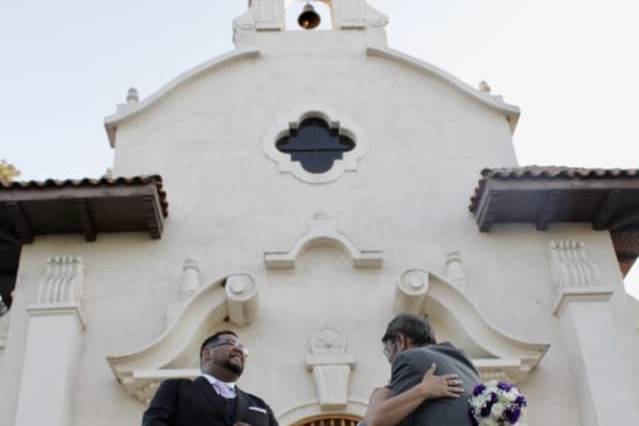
<point x="213" y="380"/>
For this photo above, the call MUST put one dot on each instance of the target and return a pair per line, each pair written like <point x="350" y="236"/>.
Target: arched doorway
<point x="329" y="420"/>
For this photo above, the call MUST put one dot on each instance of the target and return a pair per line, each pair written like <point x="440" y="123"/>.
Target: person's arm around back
<point x="384" y="410"/>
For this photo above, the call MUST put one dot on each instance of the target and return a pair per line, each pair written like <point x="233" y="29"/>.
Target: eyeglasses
<point x="236" y="345"/>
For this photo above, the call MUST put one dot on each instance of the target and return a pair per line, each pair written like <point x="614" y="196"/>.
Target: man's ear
<point x="401" y="342"/>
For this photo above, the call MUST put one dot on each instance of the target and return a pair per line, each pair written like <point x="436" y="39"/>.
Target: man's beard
<point x="235" y="368"/>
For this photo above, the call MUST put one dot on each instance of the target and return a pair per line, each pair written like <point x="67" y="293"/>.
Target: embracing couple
<point x="430" y="385"/>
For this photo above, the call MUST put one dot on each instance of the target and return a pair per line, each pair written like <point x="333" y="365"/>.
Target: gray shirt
<point x="408" y="370"/>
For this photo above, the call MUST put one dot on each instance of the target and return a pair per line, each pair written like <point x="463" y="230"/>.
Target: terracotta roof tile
<point x="547" y="173"/>
<point x="93" y="183"/>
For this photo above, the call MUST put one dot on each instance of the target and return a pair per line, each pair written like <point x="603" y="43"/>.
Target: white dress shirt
<point x="224" y="389"/>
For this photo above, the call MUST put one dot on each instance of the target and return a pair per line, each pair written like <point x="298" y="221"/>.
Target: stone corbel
<point x="331" y="367"/>
<point x="575" y="277"/>
<point x="323" y="231"/>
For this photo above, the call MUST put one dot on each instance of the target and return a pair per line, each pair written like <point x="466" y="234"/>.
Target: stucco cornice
<point x="496" y="103"/>
<point x="111" y="122"/>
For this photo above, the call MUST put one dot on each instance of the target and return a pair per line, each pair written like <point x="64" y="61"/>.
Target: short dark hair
<point x="214" y="338"/>
<point x="416" y="328"/>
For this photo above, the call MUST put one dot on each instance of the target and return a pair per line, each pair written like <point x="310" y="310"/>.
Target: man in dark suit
<point x="212" y="399"/>
<point x="410" y="346"/>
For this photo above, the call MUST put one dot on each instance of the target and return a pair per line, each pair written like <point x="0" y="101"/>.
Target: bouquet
<point x="496" y="404"/>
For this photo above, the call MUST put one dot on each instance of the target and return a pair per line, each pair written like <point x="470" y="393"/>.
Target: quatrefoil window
<point x="315" y="145"/>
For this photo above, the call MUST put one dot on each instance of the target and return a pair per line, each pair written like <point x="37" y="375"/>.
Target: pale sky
<point x="571" y="65"/>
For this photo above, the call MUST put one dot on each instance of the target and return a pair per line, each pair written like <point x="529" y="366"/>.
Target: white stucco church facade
<point x="301" y="190"/>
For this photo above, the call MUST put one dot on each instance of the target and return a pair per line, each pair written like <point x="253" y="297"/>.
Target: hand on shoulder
<point x="445" y="386"/>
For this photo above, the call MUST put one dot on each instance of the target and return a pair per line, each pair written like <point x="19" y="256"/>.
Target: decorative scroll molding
<point x="322" y="231"/>
<point x="62" y="289"/>
<point x="63" y="283"/>
<point x="411" y="291"/>
<point x="570" y="265"/>
<point x="335" y="120"/>
<point x="331" y="367"/>
<point x="419" y="291"/>
<point x="574" y="275"/>
<point x="232" y="298"/>
<point x="241" y="296"/>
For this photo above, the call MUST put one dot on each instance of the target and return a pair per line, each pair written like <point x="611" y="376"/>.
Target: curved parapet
<point x="140" y="372"/>
<point x="496" y="103"/>
<point x="133" y="108"/>
<point x="497" y="355"/>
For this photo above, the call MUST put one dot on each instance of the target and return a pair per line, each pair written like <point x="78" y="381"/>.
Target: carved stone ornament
<point x="331" y="367"/>
<point x="322" y="231"/>
<point x="189" y="285"/>
<point x="62" y="288"/>
<point x="575" y="277"/>
<point x="241" y="296"/>
<point x="232" y="298"/>
<point x="455" y="269"/>
<point x="422" y="292"/>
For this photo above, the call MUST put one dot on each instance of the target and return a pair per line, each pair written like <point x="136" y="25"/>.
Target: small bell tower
<point x="269" y="16"/>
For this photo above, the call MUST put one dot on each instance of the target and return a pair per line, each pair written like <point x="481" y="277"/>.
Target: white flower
<point x="489" y="422"/>
<point x="497" y="410"/>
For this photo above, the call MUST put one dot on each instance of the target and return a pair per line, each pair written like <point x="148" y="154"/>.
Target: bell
<point x="309" y="19"/>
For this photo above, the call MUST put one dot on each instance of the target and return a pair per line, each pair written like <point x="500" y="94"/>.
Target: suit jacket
<point x="182" y="402"/>
<point x="408" y="370"/>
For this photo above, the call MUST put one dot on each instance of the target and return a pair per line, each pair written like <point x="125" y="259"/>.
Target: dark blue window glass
<point x="315" y="145"/>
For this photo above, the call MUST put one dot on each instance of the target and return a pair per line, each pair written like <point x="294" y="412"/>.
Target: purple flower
<point x="512" y="414"/>
<point x="479" y="389"/>
<point x="521" y="401"/>
<point x="485" y="410"/>
<point x="504" y="386"/>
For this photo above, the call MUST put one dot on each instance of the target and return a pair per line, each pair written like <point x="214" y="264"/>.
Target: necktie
<point x="223" y="390"/>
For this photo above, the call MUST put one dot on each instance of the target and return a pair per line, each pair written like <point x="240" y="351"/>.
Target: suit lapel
<point x="210" y="394"/>
<point x="242" y="404"/>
